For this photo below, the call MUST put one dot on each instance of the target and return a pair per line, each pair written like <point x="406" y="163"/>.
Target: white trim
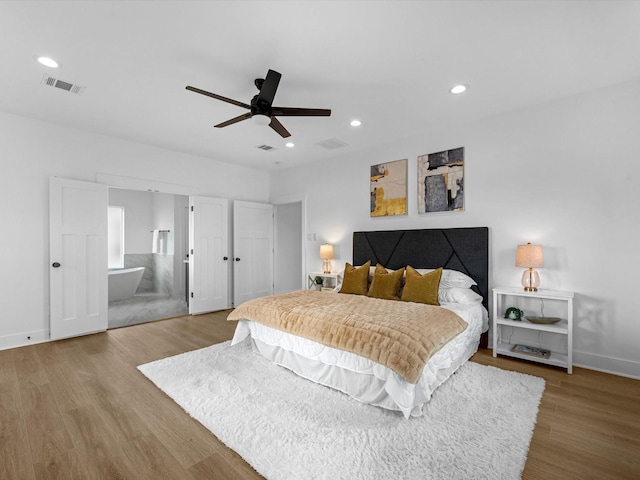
<point x="24" y="339"/>
<point x="293" y="198"/>
<point x="145" y="184"/>
<point x="601" y="363"/>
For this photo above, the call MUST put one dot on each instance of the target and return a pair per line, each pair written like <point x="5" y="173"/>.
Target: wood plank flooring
<point x="79" y="409"/>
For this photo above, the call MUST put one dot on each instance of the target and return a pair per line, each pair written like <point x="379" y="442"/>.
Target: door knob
<point x="237" y="259"/>
<point x="55" y="265"/>
<point x="225" y="258"/>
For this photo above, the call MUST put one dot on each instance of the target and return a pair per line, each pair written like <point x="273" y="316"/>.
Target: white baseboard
<point x="591" y="361"/>
<point x="24" y="339"/>
<point x="600" y="363"/>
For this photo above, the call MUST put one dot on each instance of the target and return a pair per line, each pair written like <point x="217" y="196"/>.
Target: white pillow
<point x="341" y="276"/>
<point x="449" y="278"/>
<point x="458" y="295"/>
<point x="452" y="278"/>
<point x="371" y="271"/>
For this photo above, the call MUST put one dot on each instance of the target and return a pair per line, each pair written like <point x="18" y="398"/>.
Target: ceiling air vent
<point x="332" y="144"/>
<point x="266" y="148"/>
<point x="62" y="85"/>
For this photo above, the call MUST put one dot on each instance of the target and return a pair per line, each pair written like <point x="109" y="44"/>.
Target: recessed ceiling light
<point x="356" y="123"/>
<point x="290" y="144"/>
<point x="48" y="62"/>
<point x="459" y="89"/>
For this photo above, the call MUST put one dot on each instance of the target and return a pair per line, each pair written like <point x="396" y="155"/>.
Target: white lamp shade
<point x="326" y="251"/>
<point x="262" y="120"/>
<point x="529" y="256"/>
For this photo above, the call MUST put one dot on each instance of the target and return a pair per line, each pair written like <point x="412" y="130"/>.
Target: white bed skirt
<point x="360" y="378"/>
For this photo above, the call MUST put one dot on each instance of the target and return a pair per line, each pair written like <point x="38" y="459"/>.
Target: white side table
<point x="564" y="328"/>
<point x="329" y="281"/>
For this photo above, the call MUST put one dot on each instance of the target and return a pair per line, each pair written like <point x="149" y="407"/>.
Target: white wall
<point x="163" y="213"/>
<point x="30" y="153"/>
<point x="144" y="212"/>
<point x="138" y="218"/>
<point x="564" y="174"/>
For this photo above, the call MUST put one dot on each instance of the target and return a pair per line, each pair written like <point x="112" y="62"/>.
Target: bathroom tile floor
<point x="145" y="307"/>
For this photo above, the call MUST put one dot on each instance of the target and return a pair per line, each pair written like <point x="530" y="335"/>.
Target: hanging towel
<point x="160" y="241"/>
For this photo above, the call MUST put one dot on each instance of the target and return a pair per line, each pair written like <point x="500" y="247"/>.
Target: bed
<point x="378" y="381"/>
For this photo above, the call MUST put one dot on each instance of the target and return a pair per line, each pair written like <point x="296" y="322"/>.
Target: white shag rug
<point x="478" y="424"/>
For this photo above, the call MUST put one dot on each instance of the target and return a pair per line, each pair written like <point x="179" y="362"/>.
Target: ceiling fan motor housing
<point x="261" y="109"/>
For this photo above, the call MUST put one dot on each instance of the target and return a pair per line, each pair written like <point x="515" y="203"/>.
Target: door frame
<point x="297" y="198"/>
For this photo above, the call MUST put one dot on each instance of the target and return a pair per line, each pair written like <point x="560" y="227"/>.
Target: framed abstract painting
<point x="389" y="188"/>
<point x="441" y="181"/>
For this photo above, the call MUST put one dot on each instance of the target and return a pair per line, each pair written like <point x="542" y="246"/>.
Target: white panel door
<point x="77" y="258"/>
<point x="252" y="251"/>
<point x="208" y="254"/>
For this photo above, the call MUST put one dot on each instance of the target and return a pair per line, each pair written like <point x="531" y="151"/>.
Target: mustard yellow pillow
<point x="355" y="279"/>
<point x="385" y="284"/>
<point x="421" y="288"/>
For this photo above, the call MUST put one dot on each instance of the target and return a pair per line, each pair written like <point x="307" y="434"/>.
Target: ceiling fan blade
<point x="278" y="127"/>
<point x="300" y="112"/>
<point x="269" y="87"/>
<point x="219" y="97"/>
<point x="234" y="120"/>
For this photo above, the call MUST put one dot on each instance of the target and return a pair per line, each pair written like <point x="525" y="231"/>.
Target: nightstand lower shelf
<point x="557" y="359"/>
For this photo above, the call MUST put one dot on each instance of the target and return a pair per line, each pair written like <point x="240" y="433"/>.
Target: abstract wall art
<point x="389" y="188"/>
<point x="441" y="181"/>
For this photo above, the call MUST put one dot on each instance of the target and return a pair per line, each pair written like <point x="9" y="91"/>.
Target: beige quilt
<point x="399" y="335"/>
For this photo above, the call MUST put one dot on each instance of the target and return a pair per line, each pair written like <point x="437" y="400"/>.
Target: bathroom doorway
<point x="148" y="245"/>
<point x="289" y="271"/>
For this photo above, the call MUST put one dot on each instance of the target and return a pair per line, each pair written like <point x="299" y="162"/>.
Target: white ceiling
<point x="388" y="63"/>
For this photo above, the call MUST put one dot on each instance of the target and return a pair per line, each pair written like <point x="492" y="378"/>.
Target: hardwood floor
<point x="79" y="409"/>
<point x="588" y="423"/>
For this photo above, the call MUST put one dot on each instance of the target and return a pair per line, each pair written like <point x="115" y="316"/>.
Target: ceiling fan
<point x="261" y="108"/>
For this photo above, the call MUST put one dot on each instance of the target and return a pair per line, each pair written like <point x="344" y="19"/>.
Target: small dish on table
<point x="543" y="320"/>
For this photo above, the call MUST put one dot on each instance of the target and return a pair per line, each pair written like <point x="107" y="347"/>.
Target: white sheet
<point x="361" y="378"/>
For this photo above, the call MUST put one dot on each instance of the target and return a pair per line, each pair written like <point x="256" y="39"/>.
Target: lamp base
<point x="530" y="280"/>
<point x="326" y="266"/>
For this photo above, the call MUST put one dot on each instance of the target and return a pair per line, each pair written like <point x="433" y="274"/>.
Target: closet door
<point x="252" y="251"/>
<point x="208" y="254"/>
<point x="77" y="257"/>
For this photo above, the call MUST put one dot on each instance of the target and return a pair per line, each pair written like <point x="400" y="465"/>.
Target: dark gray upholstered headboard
<point x="462" y="249"/>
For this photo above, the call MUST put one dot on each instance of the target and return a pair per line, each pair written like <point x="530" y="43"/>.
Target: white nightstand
<point x="505" y="297"/>
<point x="329" y="281"/>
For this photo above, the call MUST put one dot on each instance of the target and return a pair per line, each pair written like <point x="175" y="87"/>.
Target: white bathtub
<point x="123" y="282"/>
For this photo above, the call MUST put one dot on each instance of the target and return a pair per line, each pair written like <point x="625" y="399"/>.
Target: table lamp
<point x="529" y="256"/>
<point x="326" y="254"/>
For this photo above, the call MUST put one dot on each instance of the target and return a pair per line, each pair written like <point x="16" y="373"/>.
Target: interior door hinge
<point x="191" y="294"/>
<point x="192" y="208"/>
